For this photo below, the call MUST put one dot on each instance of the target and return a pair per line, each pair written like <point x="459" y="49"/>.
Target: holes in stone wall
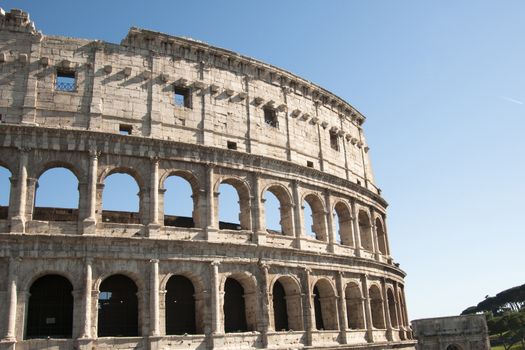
<point x="57" y="196"/>
<point x="178" y="202"/>
<point x="125" y="129"/>
<point x="118" y="307"/>
<point x="229" y="209"/>
<point x="234" y="307"/>
<point x="5" y="189"/>
<point x="334" y="141"/>
<point x="343" y="224"/>
<point x="392" y="308"/>
<point x="232" y="145"/>
<point x="309" y="164"/>
<point x="120" y="199"/>
<point x="314" y="217"/>
<point x="182" y="96"/>
<point x="280" y="311"/>
<point x="381" y="237"/>
<point x="270" y="117"/>
<point x="365" y="231"/>
<point x="278" y="211"/>
<point x="354" y="307"/>
<point x="180" y="306"/>
<point x="325" y="306"/>
<point x="65" y="80"/>
<point x="376" y="305"/>
<point x="50" y="308"/>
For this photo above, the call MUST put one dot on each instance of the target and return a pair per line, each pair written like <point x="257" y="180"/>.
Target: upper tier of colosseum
<point x="164" y="87"/>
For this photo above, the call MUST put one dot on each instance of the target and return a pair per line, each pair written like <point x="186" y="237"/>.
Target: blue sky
<point x="442" y="85"/>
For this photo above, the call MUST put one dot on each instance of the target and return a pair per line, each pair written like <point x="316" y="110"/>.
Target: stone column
<point x="387" y="245"/>
<point x="309" y="307"/>
<point x="399" y="313"/>
<point x="386" y="312"/>
<point x="259" y="232"/>
<point x="298" y="215"/>
<point x="368" y="309"/>
<point x="343" y="318"/>
<point x="19" y="219"/>
<point x="215" y="299"/>
<point x="265" y="304"/>
<point x="375" y="241"/>
<point x="91" y="219"/>
<point x="154" y="298"/>
<point x="211" y="223"/>
<point x="153" y="226"/>
<point x="86" y="331"/>
<point x="329" y="221"/>
<point x="10" y="335"/>
<point x="357" y="232"/>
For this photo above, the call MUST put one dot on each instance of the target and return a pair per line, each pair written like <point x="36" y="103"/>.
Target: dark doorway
<point x="180" y="306"/>
<point x="118" y="307"/>
<point x="319" y="324"/>
<point x="50" y="309"/>
<point x="279" y="307"/>
<point x="234" y="308"/>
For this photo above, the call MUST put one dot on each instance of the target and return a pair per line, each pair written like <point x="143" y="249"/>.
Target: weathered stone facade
<point x="241" y="122"/>
<point x="467" y="332"/>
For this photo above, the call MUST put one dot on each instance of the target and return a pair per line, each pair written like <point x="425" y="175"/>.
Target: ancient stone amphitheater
<point x="158" y="106"/>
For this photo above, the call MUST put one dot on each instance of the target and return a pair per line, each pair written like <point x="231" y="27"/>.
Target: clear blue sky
<point x="442" y="84"/>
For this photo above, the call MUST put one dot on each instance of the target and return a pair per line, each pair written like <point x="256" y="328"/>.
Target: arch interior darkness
<point x="279" y="307"/>
<point x="234" y="307"/>
<point x="180" y="306"/>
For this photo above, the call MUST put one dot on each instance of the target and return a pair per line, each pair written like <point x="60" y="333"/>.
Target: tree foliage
<point x="512" y="299"/>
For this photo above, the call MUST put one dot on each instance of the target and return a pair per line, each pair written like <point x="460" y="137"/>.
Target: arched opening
<point x="121" y="199"/>
<point x="234" y="205"/>
<point x="453" y="347"/>
<point x="392" y="308"/>
<point x="280" y="312"/>
<point x="234" y="307"/>
<point x="50" y="308"/>
<point x="118" y="307"/>
<point x="57" y="196"/>
<point x="179" y="207"/>
<point x="278" y="211"/>
<point x="343" y="220"/>
<point x="180" y="306"/>
<point x="376" y="304"/>
<point x="354" y="307"/>
<point x="5" y="189"/>
<point x="365" y="231"/>
<point x="314" y="209"/>
<point x="381" y="236"/>
<point x="325" y="307"/>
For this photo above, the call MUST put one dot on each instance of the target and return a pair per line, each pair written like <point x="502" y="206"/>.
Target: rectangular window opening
<point x="181" y="96"/>
<point x="309" y="164"/>
<point x="334" y="141"/>
<point x="65" y="80"/>
<point x="232" y="145"/>
<point x="125" y="129"/>
<point x="270" y="118"/>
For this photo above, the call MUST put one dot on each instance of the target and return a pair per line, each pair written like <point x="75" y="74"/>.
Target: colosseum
<point x="156" y="107"/>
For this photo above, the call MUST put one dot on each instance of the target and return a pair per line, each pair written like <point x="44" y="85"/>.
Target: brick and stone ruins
<point x="155" y="107"/>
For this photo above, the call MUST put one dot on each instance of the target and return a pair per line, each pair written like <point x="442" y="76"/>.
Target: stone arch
<point x="365" y="230"/>
<point x="285" y="207"/>
<point x="286" y="310"/>
<point x="354" y="306"/>
<point x="344" y="217"/>
<point x="180" y="306"/>
<point x="51" y="209"/>
<point x="119" y="215"/>
<point x="454" y="347"/>
<point x="318" y="215"/>
<point x="243" y="192"/>
<point x="50" y="308"/>
<point x="381" y="236"/>
<point x="5" y="190"/>
<point x="118" y="307"/>
<point x="39" y="272"/>
<point x="194" y="184"/>
<point x="325" y="305"/>
<point x="80" y="175"/>
<point x="376" y="306"/>
<point x="239" y="302"/>
<point x="392" y="307"/>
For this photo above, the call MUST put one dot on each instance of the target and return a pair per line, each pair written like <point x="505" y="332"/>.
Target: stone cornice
<point x="86" y="140"/>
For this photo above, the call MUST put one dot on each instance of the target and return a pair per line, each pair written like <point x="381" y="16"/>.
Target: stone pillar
<point x="357" y="232"/>
<point x="211" y="222"/>
<point x="387" y="245"/>
<point x="343" y="318"/>
<point x="265" y="304"/>
<point x="368" y="309"/>
<point x="88" y="281"/>
<point x="153" y="226"/>
<point x="91" y="219"/>
<point x="399" y="313"/>
<point x="375" y="241"/>
<point x="259" y="229"/>
<point x="215" y="299"/>
<point x="386" y="312"/>
<point x="10" y="335"/>
<point x="309" y="307"/>
<point x="329" y="221"/>
<point x="298" y="215"/>
<point x="154" y="298"/>
<point x="18" y="221"/>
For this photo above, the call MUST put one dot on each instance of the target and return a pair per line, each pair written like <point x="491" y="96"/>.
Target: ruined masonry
<point x="158" y="106"/>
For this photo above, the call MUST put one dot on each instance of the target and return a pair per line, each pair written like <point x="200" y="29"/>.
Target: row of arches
<point x="58" y="195"/>
<point x="51" y="306"/>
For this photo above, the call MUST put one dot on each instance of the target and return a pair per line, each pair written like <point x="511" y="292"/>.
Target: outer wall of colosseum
<point x="234" y="120"/>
